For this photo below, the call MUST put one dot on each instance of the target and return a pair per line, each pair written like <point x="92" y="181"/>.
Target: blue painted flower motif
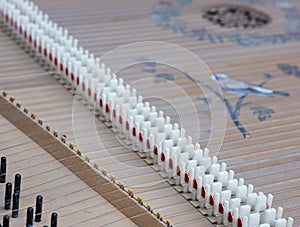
<point x="262" y="112"/>
<point x="241" y="87"/>
<point x="163" y="77"/>
<point x="290" y="69"/>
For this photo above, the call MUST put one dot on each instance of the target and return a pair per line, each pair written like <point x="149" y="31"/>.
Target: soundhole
<point x="236" y="16"/>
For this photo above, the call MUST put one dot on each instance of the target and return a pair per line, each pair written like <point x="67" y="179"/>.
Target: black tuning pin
<point x="15" y="206"/>
<point x="5" y="221"/>
<point x="53" y="220"/>
<point x="29" y="219"/>
<point x="3" y="170"/>
<point x="7" y="197"/>
<point x="39" y="208"/>
<point x="17" y="186"/>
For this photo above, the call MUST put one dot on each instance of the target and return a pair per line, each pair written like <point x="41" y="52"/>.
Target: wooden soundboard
<point x="167" y="50"/>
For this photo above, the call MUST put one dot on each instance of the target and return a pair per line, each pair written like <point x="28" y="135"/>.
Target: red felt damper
<point x="221" y="208"/>
<point x="140" y="137"/>
<point x="114" y="113"/>
<point x="134" y="131"/>
<point x="67" y="71"/>
<point x="155" y="150"/>
<point x="61" y="66"/>
<point x="195" y="184"/>
<point x="120" y="120"/>
<point x="178" y="171"/>
<point x="148" y="144"/>
<point x="203" y="192"/>
<point x="101" y="102"/>
<point x="240" y="222"/>
<point x="107" y="108"/>
<point x="186" y="177"/>
<point x="127" y="125"/>
<point x="230" y="217"/>
<point x="211" y="200"/>
<point x="72" y="76"/>
<point x="89" y="92"/>
<point x="55" y="59"/>
<point x="163" y="157"/>
<point x="95" y="96"/>
<point x="77" y="80"/>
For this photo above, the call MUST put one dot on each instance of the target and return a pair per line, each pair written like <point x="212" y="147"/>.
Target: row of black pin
<point x="16" y="200"/>
<point x="15" y="197"/>
<point x="38" y="211"/>
<point x="3" y="170"/>
<point x="15" y="204"/>
<point x="29" y="219"/>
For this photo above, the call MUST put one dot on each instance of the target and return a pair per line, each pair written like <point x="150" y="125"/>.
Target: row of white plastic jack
<point x="210" y="183"/>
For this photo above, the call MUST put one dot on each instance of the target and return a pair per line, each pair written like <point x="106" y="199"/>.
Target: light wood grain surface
<point x="269" y="159"/>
